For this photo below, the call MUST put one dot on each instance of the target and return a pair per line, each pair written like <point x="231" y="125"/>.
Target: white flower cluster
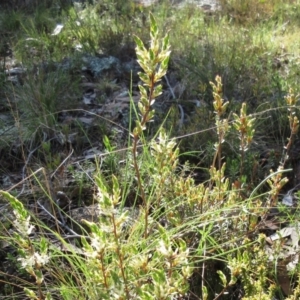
<point x="22" y="225"/>
<point x="34" y="260"/>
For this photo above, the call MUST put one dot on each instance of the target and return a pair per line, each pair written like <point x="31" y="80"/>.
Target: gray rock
<point x="97" y="65"/>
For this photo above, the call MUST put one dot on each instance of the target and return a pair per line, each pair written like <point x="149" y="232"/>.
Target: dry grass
<point x="252" y="11"/>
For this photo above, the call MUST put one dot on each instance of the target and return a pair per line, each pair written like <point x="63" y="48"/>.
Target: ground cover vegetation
<point x="149" y="152"/>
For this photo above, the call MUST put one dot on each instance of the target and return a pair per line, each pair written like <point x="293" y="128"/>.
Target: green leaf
<point x="136" y="132"/>
<point x="139" y="43"/>
<point x="100" y="184"/>
<point x="223" y="278"/>
<point x="115" y="181"/>
<point x="204" y="293"/>
<point x="160" y="73"/>
<point x="39" y="277"/>
<point x="141" y="108"/>
<point x="85" y="244"/>
<point x="159" y="277"/>
<point x="144" y="101"/>
<point x="148" y="69"/>
<point x="153" y="27"/>
<point x="151" y="114"/>
<point x="155" y="48"/>
<point x="165" y="45"/>
<point x="165" y="62"/>
<point x="48" y="296"/>
<point x="140" y="57"/>
<point x="30" y="294"/>
<point x="145" y="78"/>
<point x="233" y="280"/>
<point x="95" y="228"/>
<point x="15" y="203"/>
<point x="145" y="295"/>
<point x="43" y="245"/>
<point x="151" y="55"/>
<point x="107" y="144"/>
<point x="157" y="91"/>
<point x="143" y="91"/>
<point x="115" y="277"/>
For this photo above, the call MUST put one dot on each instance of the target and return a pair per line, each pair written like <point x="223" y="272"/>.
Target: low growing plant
<point x="32" y="256"/>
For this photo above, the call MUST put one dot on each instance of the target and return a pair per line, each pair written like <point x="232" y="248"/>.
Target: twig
<point x="24" y="179"/>
<point x="170" y="88"/>
<point x="174" y="98"/>
<point x="62" y="163"/>
<point x="181" y="116"/>
<point x="59" y="222"/>
<point x="24" y="170"/>
<point x="25" y="166"/>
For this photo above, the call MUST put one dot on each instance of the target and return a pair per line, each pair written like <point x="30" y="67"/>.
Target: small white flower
<point x="96" y="243"/>
<point x="163" y="250"/>
<point x="22" y="225"/>
<point x="35" y="260"/>
<point x="41" y="259"/>
<point x="26" y="262"/>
